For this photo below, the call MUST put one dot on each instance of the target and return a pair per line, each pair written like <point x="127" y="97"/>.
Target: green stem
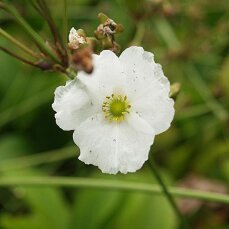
<point x="37" y="159"/>
<point x="65" y="22"/>
<point x="140" y="31"/>
<point x="18" y="43"/>
<point x="192" y="112"/>
<point x="10" y="9"/>
<point x="166" y="192"/>
<point x="17" y="57"/>
<point x="111" y="185"/>
<point x="70" y="73"/>
<point x="25" y="106"/>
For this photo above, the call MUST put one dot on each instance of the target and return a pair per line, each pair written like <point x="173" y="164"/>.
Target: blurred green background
<point x="190" y="38"/>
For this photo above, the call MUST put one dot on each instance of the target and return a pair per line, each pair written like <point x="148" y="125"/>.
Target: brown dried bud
<point x="82" y="59"/>
<point x="107" y="27"/>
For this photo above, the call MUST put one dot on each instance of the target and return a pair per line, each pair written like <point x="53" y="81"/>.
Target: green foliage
<point x="122" y="210"/>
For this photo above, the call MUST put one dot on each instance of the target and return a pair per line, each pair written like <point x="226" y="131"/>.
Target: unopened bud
<point x="119" y="28"/>
<point x="76" y="38"/>
<point x="174" y="90"/>
<point x="107" y="27"/>
<point x="102" y="18"/>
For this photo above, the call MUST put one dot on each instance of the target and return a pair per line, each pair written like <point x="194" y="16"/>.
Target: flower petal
<point x="142" y="72"/>
<point x="148" y="88"/>
<point x="112" y="147"/>
<point x="72" y="105"/>
<point x="158" y="112"/>
<point x="139" y="124"/>
<point x="107" y="77"/>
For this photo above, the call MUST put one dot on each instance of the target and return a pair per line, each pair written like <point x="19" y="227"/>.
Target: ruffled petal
<point x="148" y="88"/>
<point x="72" y="105"/>
<point x="107" y="77"/>
<point x="112" y="147"/>
<point x="158" y="112"/>
<point x="139" y="124"/>
<point x="142" y="72"/>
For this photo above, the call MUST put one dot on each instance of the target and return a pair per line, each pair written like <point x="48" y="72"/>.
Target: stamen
<point x="115" y="107"/>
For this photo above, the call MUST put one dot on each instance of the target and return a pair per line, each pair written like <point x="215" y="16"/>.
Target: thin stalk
<point x="25" y="106"/>
<point x="111" y="185"/>
<point x="166" y="192"/>
<point x="65" y="21"/>
<point x="36" y="7"/>
<point x="139" y="34"/>
<point x="193" y="111"/>
<point x="45" y="12"/>
<point x="38" y="159"/>
<point x="70" y="73"/>
<point x="18" y="43"/>
<point x="10" y="9"/>
<point x="18" y="57"/>
<point x="60" y="47"/>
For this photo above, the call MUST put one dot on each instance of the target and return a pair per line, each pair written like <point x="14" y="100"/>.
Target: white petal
<point x="72" y="105"/>
<point x="148" y="88"/>
<point x="139" y="124"/>
<point x="142" y="72"/>
<point x="158" y="111"/>
<point x="112" y="147"/>
<point x="107" y="77"/>
<point x="72" y="34"/>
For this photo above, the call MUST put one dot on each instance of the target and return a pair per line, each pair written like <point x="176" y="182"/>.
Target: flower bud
<point x="102" y="18"/>
<point x="76" y="38"/>
<point x="174" y="90"/>
<point x="107" y="27"/>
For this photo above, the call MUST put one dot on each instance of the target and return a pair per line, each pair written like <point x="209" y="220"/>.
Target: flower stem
<point x="25" y="106"/>
<point x="18" y="43"/>
<point x="38" y="159"/>
<point x="167" y="194"/>
<point x="139" y="34"/>
<point x="36" y="37"/>
<point x="111" y="185"/>
<point x="65" y="21"/>
<point x="70" y="73"/>
<point x="17" y="57"/>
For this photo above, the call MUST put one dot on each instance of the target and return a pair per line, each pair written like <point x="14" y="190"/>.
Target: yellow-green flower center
<point x="115" y="107"/>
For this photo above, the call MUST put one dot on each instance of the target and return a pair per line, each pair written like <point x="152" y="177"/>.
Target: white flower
<point x="117" y="110"/>
<point x="75" y="39"/>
